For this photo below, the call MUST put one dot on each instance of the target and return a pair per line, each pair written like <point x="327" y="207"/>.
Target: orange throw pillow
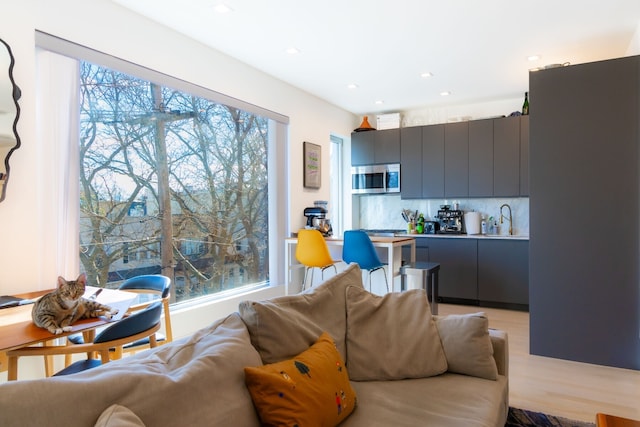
<point x="311" y="389"/>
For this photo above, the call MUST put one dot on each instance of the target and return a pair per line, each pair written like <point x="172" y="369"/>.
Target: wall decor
<point x="312" y="155"/>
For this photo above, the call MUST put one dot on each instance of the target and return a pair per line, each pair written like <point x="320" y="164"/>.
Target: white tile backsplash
<point x="384" y="211"/>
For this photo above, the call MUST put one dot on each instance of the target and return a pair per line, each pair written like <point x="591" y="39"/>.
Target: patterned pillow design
<point x="310" y="389"/>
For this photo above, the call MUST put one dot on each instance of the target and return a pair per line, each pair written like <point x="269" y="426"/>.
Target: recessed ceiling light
<point x="445" y="93"/>
<point x="352" y="86"/>
<point x="379" y="102"/>
<point x="426" y="75"/>
<point x="292" y="51"/>
<point x="533" y="57"/>
<point x="222" y="8"/>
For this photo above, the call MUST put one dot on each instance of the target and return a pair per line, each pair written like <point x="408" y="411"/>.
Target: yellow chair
<point x="312" y="252"/>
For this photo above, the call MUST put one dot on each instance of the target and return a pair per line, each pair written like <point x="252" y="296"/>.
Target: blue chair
<point x="151" y="287"/>
<point x="144" y="323"/>
<point x="358" y="248"/>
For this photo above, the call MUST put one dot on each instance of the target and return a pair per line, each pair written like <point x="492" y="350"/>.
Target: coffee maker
<point x="317" y="219"/>
<point x="451" y="220"/>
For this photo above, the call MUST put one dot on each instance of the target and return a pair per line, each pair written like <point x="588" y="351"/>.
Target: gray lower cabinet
<point x="458" y="278"/>
<point x="503" y="271"/>
<point x="486" y="272"/>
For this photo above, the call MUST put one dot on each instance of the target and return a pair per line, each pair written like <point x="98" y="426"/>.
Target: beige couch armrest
<point x="500" y="342"/>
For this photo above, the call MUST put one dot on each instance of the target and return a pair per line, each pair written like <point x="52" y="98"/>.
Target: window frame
<point x="278" y="145"/>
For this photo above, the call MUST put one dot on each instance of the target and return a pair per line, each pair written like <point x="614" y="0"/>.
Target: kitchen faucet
<point x="510" y="218"/>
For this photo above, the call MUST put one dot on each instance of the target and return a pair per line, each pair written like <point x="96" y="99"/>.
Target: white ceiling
<point x="475" y="49"/>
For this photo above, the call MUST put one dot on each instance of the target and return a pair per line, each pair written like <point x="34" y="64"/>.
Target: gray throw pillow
<point x="467" y="345"/>
<point x="283" y="327"/>
<point x="391" y="337"/>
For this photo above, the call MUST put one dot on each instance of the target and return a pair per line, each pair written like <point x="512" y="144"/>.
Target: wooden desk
<point x="605" y="420"/>
<point x="17" y="329"/>
<point x="392" y="245"/>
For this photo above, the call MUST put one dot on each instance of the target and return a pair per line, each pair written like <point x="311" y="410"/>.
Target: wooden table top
<point x="17" y="328"/>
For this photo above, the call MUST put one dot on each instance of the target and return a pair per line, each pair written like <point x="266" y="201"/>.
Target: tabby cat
<point x="59" y="309"/>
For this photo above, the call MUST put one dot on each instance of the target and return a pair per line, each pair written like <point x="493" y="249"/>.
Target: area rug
<point x="523" y="418"/>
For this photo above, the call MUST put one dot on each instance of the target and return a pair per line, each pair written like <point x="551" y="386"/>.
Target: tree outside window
<point x="170" y="184"/>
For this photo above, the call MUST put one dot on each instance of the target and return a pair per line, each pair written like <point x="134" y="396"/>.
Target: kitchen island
<point x="390" y="246"/>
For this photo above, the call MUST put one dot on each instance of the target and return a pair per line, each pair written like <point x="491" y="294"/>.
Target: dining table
<point x="390" y="253"/>
<point x="17" y="329"/>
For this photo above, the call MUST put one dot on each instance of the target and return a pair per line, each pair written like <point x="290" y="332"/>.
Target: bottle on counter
<point x="483" y="226"/>
<point x="420" y="224"/>
<point x="525" y="105"/>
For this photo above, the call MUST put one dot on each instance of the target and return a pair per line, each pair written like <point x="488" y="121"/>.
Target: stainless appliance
<point x="375" y="179"/>
<point x="317" y="219"/>
<point x="451" y="220"/>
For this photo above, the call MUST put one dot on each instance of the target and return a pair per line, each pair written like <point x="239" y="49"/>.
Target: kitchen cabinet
<point x="481" y="158"/>
<point x="375" y="147"/>
<point x="456" y="159"/>
<point x="506" y="156"/>
<point x="458" y="258"/>
<point x="411" y="162"/>
<point x="584" y="297"/>
<point x="422" y="162"/>
<point x="433" y="161"/>
<point x="362" y="148"/>
<point x="524" y="156"/>
<point x="503" y="272"/>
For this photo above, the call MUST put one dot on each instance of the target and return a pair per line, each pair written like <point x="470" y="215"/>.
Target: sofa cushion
<point x="392" y="337"/>
<point x="283" y="327"/>
<point x="311" y="389"/>
<point x="467" y="345"/>
<point x="118" y="416"/>
<point x="443" y="400"/>
<point x="198" y="380"/>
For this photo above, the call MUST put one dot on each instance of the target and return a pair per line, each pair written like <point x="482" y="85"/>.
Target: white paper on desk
<point x="114" y="298"/>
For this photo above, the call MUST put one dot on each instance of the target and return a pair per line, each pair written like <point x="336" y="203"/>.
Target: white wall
<point x="27" y="256"/>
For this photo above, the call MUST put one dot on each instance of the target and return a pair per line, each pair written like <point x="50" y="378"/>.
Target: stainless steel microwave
<point x="375" y="179"/>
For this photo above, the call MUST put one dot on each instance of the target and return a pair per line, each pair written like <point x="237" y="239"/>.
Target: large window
<point x="170" y="183"/>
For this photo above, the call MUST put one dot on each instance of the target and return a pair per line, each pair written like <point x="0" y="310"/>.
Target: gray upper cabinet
<point x="362" y="148"/>
<point x="456" y="159"/>
<point x="506" y="157"/>
<point x="375" y="147"/>
<point x="481" y="158"/>
<point x="387" y="146"/>
<point x="433" y="161"/>
<point x="524" y="155"/>
<point x="411" y="161"/>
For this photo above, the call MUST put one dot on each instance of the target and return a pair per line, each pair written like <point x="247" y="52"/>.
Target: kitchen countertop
<point x="467" y="236"/>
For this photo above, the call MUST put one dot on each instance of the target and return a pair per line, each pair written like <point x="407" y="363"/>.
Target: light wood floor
<point x="554" y="386"/>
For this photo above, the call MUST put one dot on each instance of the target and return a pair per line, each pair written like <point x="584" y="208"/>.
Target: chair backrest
<point x="134" y="324"/>
<point x="358" y="248"/>
<point x="312" y="249"/>
<point x="155" y="284"/>
<point x="149" y="283"/>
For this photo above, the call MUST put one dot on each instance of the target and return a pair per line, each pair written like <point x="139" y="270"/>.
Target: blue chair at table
<point x="359" y="248"/>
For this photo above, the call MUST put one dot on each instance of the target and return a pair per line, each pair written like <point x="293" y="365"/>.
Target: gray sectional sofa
<point x="403" y="367"/>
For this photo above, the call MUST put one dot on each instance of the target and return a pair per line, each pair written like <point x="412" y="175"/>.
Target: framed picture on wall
<point x="312" y="155"/>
